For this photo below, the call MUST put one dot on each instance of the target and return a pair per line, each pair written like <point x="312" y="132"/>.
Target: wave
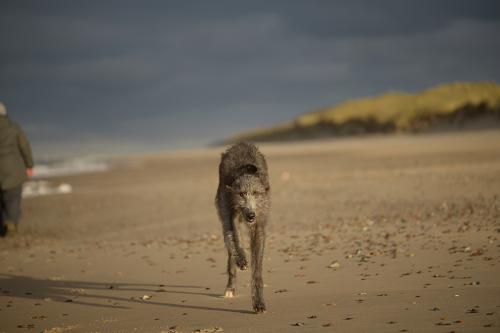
<point x="71" y="166"/>
<point x="35" y="188"/>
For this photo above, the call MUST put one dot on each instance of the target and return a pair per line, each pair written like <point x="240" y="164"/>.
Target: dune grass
<point x="398" y="110"/>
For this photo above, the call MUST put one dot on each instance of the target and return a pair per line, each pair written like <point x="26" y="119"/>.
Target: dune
<point x="446" y="107"/>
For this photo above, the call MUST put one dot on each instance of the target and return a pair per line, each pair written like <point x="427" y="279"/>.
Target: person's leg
<point x="3" y="230"/>
<point x="12" y="202"/>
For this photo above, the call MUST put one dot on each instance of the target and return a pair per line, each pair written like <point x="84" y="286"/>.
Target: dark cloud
<point x="169" y="74"/>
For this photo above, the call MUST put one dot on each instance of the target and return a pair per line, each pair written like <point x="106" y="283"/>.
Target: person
<point x="16" y="166"/>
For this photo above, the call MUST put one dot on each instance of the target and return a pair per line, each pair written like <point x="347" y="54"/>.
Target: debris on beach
<point x="298" y="324"/>
<point x="281" y="291"/>
<point x="335" y="264"/>
<point x="285" y="176"/>
<point x="209" y="330"/>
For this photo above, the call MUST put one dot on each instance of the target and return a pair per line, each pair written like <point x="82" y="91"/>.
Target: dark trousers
<point x="10" y="202"/>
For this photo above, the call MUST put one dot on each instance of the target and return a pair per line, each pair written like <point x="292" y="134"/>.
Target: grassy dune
<point x="443" y="105"/>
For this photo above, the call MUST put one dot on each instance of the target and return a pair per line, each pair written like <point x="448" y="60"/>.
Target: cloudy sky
<point x="131" y="76"/>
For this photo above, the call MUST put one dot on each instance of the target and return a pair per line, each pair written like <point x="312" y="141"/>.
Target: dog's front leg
<point x="231" y="277"/>
<point x="257" y="236"/>
<point x="232" y="241"/>
<point x="236" y="257"/>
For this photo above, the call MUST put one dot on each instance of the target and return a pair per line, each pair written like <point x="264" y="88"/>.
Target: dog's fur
<point x="243" y="197"/>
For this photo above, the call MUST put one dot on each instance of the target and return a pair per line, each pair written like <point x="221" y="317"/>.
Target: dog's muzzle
<point x="249" y="216"/>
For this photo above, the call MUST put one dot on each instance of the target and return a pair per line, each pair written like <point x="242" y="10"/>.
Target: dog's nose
<point x="250" y="216"/>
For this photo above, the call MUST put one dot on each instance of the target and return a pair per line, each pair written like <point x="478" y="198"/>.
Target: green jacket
<point x="15" y="154"/>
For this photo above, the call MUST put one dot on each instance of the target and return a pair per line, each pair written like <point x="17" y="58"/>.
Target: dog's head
<point x="248" y="193"/>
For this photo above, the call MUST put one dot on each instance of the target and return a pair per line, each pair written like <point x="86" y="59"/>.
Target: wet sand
<point x="379" y="234"/>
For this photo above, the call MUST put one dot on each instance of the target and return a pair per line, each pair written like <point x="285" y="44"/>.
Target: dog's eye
<point x="242" y="194"/>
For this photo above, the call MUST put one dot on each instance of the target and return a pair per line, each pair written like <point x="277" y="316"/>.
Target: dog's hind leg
<point x="257" y="239"/>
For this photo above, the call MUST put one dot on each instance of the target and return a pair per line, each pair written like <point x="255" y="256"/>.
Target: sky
<point x="112" y="77"/>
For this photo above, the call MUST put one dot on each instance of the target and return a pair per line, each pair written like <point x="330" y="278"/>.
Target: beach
<point x="392" y="233"/>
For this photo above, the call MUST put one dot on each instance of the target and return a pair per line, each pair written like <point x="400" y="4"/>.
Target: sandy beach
<point x="378" y="234"/>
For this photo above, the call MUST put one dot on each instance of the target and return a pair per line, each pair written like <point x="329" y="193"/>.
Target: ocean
<point x="48" y="168"/>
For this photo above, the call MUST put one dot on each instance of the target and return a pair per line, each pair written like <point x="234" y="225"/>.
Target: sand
<point x="377" y="234"/>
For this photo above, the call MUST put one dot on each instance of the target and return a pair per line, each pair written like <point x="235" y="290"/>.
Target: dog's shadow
<point x="84" y="293"/>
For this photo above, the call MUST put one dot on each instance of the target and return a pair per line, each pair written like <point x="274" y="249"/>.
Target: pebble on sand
<point x="298" y="324"/>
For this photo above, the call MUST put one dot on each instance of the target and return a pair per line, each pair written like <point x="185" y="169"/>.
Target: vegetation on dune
<point x="389" y="112"/>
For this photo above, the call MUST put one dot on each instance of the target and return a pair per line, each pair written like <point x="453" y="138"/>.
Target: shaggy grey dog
<point x="243" y="197"/>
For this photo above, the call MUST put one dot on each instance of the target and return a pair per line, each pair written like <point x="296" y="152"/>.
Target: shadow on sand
<point x="87" y="293"/>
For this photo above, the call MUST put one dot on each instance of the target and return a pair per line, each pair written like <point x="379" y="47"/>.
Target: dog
<point x="243" y="198"/>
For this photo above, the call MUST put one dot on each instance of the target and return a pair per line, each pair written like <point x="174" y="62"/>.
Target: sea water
<point x="51" y="167"/>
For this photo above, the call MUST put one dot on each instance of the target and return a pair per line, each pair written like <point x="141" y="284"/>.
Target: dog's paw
<point x="259" y="307"/>
<point x="241" y="262"/>
<point x="229" y="293"/>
